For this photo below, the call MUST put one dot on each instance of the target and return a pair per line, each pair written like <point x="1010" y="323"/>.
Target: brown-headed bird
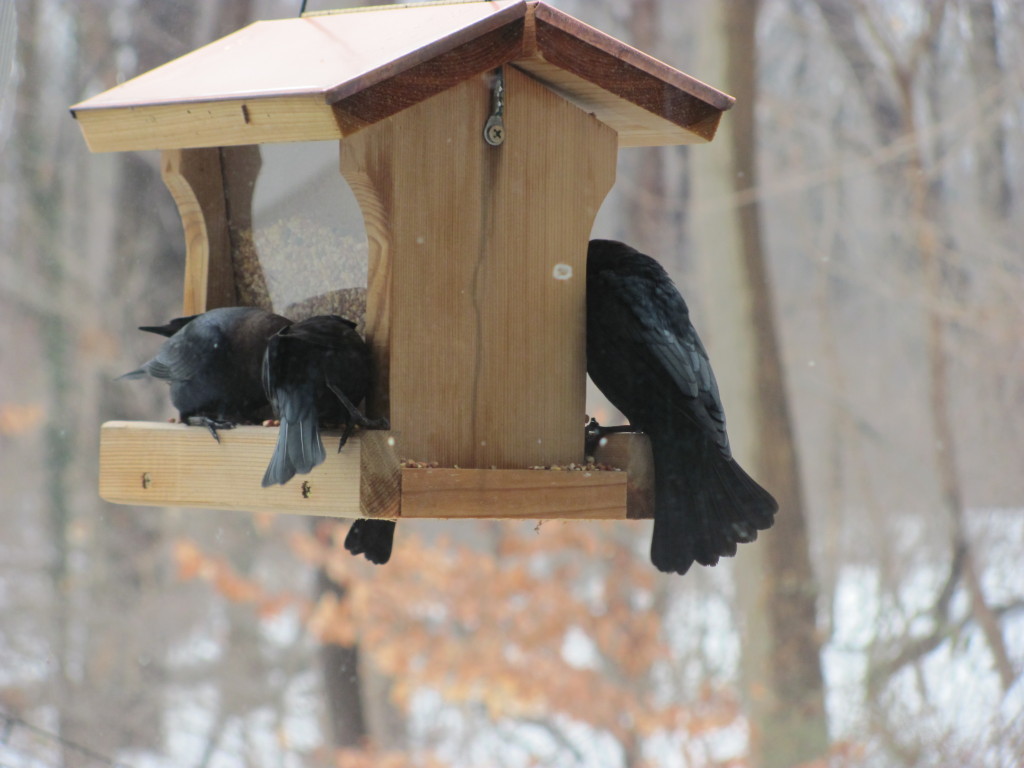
<point x="213" y="364"/>
<point x="645" y="356"/>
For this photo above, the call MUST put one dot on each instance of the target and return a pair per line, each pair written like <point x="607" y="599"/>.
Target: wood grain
<point x="195" y="180"/>
<point x="216" y="123"/>
<point x="152" y="463"/>
<point x="477" y="271"/>
<point x="513" y="494"/>
<point x="160" y="464"/>
<point x="380" y="479"/>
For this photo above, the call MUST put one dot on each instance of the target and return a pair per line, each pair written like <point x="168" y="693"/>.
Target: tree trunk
<point x="777" y="591"/>
<point x="359" y="710"/>
<point x="340" y="667"/>
<point x="897" y="87"/>
<point x="37" y="240"/>
<point x="644" y="175"/>
<point x="991" y="146"/>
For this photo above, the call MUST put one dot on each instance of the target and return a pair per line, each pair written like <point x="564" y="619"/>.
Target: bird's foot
<point x="355" y="416"/>
<point x="345" y="435"/>
<point x="380" y="423"/>
<point x="211" y="424"/>
<point x="361" y="421"/>
<point x="594" y="433"/>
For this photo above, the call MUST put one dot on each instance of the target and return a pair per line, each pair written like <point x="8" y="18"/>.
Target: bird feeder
<point x="479" y="139"/>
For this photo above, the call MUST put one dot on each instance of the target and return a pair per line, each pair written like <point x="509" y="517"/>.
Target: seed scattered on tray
<point x="589" y="466"/>
<point x="413" y="464"/>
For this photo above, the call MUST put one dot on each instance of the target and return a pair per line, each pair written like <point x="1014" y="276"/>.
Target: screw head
<point x="494" y="134"/>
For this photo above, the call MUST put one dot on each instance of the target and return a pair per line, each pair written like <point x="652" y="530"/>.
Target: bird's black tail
<point x="705" y="504"/>
<point x="372" y="539"/>
<point x="299" y="447"/>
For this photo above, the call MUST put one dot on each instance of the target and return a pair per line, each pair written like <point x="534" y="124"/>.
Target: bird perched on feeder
<point x="314" y="371"/>
<point x="645" y="356"/>
<point x="213" y="364"/>
<point x="317" y="371"/>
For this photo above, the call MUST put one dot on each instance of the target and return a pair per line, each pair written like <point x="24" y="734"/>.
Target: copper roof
<point x="324" y="76"/>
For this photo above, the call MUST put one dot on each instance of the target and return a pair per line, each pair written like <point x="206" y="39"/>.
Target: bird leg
<point x="355" y="416"/>
<point x="593" y="433"/>
<point x="211" y="424"/>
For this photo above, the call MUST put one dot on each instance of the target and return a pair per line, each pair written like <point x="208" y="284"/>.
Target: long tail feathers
<point x="299" y="447"/>
<point x="705" y="505"/>
<point x="372" y="539"/>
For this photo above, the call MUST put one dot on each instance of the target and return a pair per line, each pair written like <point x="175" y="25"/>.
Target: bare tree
<point x="893" y="94"/>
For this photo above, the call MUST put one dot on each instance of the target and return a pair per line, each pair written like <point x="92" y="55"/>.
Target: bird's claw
<point x="357" y="418"/>
<point x="211" y="424"/>
<point x="593" y="433"/>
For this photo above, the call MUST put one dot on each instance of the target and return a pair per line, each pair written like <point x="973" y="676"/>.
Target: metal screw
<point x="494" y="133"/>
<point x="494" y="128"/>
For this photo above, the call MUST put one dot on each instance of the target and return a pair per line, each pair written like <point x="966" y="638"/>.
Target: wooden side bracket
<point x="196" y="181"/>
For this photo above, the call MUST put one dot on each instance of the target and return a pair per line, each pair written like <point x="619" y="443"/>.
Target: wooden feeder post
<point x="478" y="270"/>
<point x="477" y="249"/>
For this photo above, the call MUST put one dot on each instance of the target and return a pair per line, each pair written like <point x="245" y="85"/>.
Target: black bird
<point x="315" y="371"/>
<point x="213" y="364"/>
<point x="645" y="356"/>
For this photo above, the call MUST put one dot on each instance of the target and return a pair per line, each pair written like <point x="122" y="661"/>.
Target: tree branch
<point x="879" y="99"/>
<point x="881" y="672"/>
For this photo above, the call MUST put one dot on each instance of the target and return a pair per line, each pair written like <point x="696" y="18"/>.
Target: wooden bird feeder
<point x="479" y="139"/>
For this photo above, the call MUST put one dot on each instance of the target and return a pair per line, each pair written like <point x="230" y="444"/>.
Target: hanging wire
<point x="302" y="8"/>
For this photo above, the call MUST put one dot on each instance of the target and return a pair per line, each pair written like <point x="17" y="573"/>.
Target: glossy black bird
<point x="213" y="364"/>
<point x="645" y="356"/>
<point x="315" y="371"/>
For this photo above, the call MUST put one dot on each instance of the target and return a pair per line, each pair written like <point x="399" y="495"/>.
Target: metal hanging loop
<point x="494" y="128"/>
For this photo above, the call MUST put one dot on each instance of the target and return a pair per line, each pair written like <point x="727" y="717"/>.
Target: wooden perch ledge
<point x="160" y="464"/>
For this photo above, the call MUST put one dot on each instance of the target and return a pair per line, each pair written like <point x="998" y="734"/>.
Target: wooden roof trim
<point x="136" y="93"/>
<point x="474" y="57"/>
<point x="549" y="21"/>
<point x="461" y="38"/>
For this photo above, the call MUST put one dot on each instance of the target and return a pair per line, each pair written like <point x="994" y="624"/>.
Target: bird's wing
<point x="179" y="359"/>
<point x="656" y="321"/>
<point x="330" y="331"/>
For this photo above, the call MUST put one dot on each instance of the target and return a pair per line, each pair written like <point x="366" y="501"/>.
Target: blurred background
<point x="850" y="246"/>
